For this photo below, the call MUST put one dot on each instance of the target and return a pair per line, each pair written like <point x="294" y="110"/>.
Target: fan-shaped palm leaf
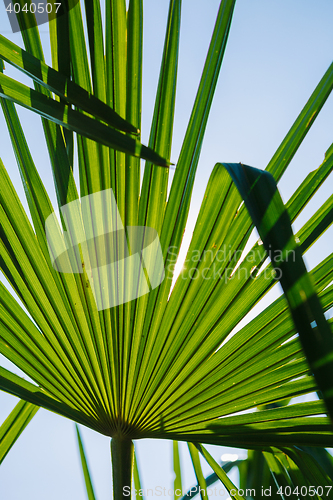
<point x="166" y="364"/>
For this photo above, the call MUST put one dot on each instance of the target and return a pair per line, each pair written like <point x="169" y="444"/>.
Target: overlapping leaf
<point x="155" y="367"/>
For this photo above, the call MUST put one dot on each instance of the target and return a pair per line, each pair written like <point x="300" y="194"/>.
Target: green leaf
<point x="96" y="49"/>
<point x="61" y="61"/>
<point x="23" y="259"/>
<point x="134" y="102"/>
<point x="63" y="115"/>
<point x="91" y="164"/>
<point x="310" y="469"/>
<point x="136" y="477"/>
<point x="177" y="485"/>
<point x="153" y="201"/>
<point x="300" y="128"/>
<point x="17" y="386"/>
<point x="233" y="491"/>
<point x="116" y="90"/>
<point x="37" y="197"/>
<point x="296" y="470"/>
<point x="180" y="194"/>
<point x="132" y="166"/>
<point x="255" y="477"/>
<point x="56" y="143"/>
<point x="181" y="189"/>
<point x="95" y="172"/>
<point x="85" y="468"/>
<point x="169" y="365"/>
<point x="310" y="185"/>
<point x="14" y="425"/>
<point x="211" y="479"/>
<point x="278" y="471"/>
<point x="322" y="457"/>
<point x="162" y="124"/>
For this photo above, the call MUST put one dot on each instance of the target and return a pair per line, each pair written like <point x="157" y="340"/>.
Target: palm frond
<point x="174" y="363"/>
<point x="14" y="425"/>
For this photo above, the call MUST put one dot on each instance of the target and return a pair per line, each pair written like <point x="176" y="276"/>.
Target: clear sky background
<point x="277" y="52"/>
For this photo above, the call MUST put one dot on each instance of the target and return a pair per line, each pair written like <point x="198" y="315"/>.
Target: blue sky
<point x="277" y="52"/>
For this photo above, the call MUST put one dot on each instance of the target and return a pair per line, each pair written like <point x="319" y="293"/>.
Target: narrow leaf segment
<point x="14" y="425"/>
<point x="263" y="201"/>
<point x="86" y="473"/>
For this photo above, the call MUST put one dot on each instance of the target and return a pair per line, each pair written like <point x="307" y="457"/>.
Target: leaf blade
<point x="271" y="218"/>
<point x="14" y="425"/>
<point x="63" y="115"/>
<point x="85" y="467"/>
